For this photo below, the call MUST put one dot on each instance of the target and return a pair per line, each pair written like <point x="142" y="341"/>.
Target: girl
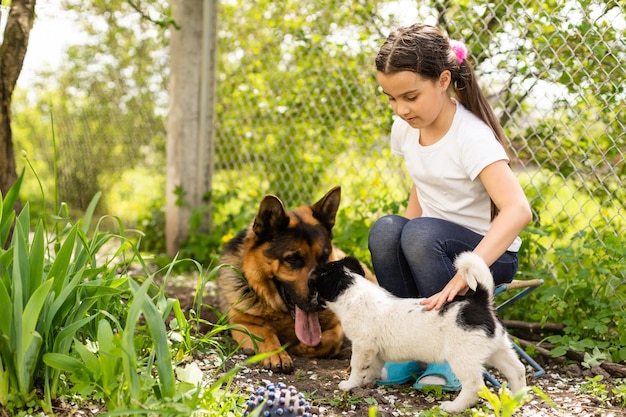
<point x="464" y="194"/>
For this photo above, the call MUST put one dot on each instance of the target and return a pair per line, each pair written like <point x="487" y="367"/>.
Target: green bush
<point x="74" y="321"/>
<point x="584" y="289"/>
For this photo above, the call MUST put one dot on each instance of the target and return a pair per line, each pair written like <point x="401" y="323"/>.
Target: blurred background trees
<point x="298" y="109"/>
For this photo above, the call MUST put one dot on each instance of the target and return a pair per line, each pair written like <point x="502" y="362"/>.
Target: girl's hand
<point x="456" y="286"/>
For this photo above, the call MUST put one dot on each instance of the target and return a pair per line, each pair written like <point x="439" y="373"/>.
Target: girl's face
<point x="417" y="100"/>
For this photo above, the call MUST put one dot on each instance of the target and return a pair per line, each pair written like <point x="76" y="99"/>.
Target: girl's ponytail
<point x="467" y="90"/>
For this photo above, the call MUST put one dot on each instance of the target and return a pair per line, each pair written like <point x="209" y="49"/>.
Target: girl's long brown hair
<point x="425" y="50"/>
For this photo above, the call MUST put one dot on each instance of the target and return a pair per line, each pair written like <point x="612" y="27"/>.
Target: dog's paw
<point x="280" y="363"/>
<point x="452" y="407"/>
<point x="346" y="385"/>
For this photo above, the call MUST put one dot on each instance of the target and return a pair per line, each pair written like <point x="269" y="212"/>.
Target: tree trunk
<point x="190" y="123"/>
<point x="12" y="53"/>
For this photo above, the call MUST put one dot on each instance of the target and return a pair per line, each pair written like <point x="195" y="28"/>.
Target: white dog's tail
<point x="475" y="271"/>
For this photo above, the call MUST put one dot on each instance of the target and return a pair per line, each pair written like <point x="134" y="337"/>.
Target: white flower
<point x="92" y="346"/>
<point x="176" y="337"/>
<point x="190" y="374"/>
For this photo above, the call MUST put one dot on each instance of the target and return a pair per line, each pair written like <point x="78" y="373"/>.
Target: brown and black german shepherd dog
<point x="266" y="290"/>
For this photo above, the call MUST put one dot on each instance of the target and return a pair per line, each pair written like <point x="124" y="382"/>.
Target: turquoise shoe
<point x="438" y="374"/>
<point x="400" y="372"/>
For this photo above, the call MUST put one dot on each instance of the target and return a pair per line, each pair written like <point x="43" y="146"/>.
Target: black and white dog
<point x="466" y="332"/>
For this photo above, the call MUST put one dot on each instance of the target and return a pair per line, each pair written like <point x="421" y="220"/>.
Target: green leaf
<point x="28" y="349"/>
<point x="62" y="261"/>
<point x="66" y="293"/>
<point x="558" y="351"/>
<point x="157" y="329"/>
<point x="89" y="358"/>
<point x="31" y="314"/>
<point x="7" y="213"/>
<point x="86" y="220"/>
<point x="63" y="339"/>
<point x="65" y="363"/>
<point x="4" y="383"/>
<point x="6" y="310"/>
<point x="20" y="266"/>
<point x="491" y="398"/>
<point x="36" y="259"/>
<point x="128" y="343"/>
<point x="27" y="361"/>
<point x="110" y="356"/>
<point x="68" y="332"/>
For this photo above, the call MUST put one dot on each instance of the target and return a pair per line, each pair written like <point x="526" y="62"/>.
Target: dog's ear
<point x="270" y="218"/>
<point x="326" y="208"/>
<point x="353" y="265"/>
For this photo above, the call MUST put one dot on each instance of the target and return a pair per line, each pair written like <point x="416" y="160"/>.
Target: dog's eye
<point x="295" y="260"/>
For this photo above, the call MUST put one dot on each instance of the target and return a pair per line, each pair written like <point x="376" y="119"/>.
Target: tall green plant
<point x="109" y="367"/>
<point x="22" y="297"/>
<point x="69" y="306"/>
<point x="46" y="296"/>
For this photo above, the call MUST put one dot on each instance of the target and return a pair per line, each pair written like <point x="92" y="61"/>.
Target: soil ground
<point x="318" y="380"/>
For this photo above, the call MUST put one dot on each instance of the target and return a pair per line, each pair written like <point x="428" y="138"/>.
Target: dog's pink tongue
<point x="308" y="328"/>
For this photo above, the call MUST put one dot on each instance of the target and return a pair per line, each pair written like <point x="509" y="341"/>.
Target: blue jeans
<point x="414" y="258"/>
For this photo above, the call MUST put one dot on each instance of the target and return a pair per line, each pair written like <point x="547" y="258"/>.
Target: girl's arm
<point x="413" y="208"/>
<point x="515" y="214"/>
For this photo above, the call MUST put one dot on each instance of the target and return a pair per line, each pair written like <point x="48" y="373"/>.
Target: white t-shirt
<point x="445" y="174"/>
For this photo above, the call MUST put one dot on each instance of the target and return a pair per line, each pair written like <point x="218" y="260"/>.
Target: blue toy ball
<point x="278" y="400"/>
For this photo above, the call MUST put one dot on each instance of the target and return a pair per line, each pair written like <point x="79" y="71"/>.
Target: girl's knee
<point x="386" y="230"/>
<point x="420" y="234"/>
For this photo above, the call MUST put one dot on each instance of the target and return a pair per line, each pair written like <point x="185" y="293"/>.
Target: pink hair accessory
<point x="459" y="49"/>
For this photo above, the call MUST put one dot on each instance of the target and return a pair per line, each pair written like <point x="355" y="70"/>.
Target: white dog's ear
<point x="470" y="279"/>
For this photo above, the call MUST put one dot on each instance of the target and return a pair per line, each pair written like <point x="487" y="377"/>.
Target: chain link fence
<point x="299" y="109"/>
<point x="309" y="114"/>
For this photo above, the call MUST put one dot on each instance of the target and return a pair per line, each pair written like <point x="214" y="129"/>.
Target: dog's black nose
<point x="314" y="296"/>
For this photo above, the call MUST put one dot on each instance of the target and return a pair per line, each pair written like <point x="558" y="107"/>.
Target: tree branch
<point x="163" y="23"/>
<point x="614" y="369"/>
<point x="534" y="327"/>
